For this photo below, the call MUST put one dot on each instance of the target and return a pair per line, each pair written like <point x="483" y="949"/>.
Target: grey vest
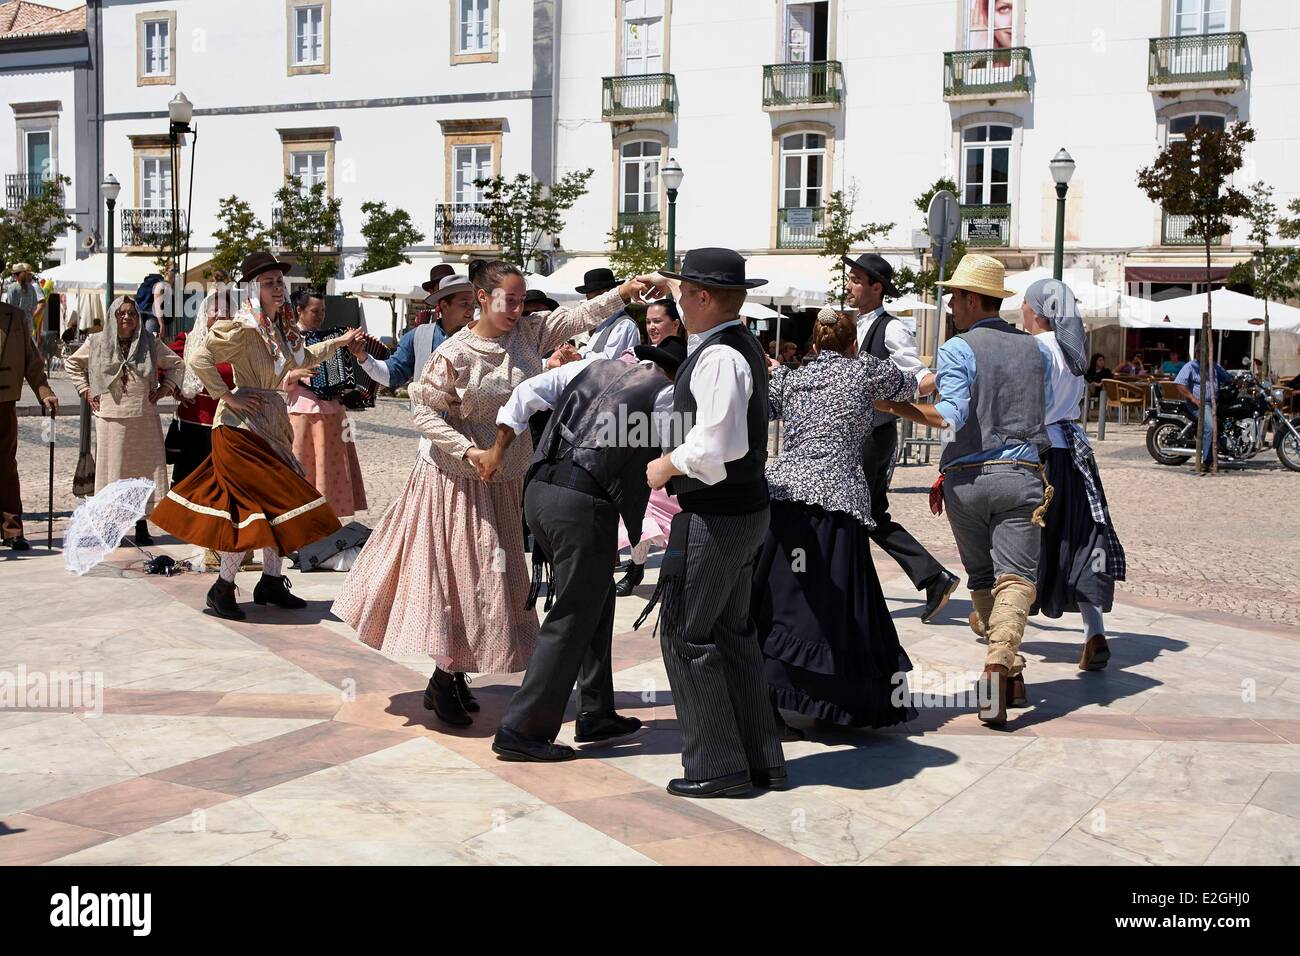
<point x="1007" y="404"/>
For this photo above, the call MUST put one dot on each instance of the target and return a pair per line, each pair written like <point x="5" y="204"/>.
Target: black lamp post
<point x="1062" y="166"/>
<point x="179" y="113"/>
<point x="672" y="176"/>
<point x="83" y="480"/>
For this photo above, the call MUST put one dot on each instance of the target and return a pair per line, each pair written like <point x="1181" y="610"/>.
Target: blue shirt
<point x="401" y="364"/>
<point x="954" y="380"/>
<point x="1190" y="378"/>
<point x="1170" y="367"/>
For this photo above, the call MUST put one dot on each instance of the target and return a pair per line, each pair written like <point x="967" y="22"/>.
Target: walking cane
<point x="49" y="518"/>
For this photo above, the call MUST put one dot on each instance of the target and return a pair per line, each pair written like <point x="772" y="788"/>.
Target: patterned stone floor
<point x="283" y="740"/>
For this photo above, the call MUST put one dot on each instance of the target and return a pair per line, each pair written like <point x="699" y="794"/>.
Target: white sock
<point x="271" y="563"/>
<point x="1093" y="622"/>
<point x="230" y="561"/>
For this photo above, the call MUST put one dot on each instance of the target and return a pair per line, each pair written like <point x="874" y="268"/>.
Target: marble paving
<point x="281" y="739"/>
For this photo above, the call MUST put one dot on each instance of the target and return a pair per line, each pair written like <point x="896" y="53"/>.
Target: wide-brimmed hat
<point x="538" y="297"/>
<point x="715" y="268"/>
<point x="597" y="280"/>
<point x="255" y="263"/>
<point x="436" y="275"/>
<point x="668" y="354"/>
<point x="450" y="285"/>
<point x="21" y="267"/>
<point x="982" y="274"/>
<point x="877" y="269"/>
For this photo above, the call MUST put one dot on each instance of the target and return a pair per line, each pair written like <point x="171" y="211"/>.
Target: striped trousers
<point x="711" y="652"/>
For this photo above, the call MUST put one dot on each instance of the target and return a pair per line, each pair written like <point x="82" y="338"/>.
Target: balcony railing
<point x="20" y="187"/>
<point x="1173" y="231"/>
<point x="151" y="228"/>
<point x="462" y="224"/>
<point x="984" y="226"/>
<point x="979" y="74"/>
<point x="1209" y="59"/>
<point x="799" y="227"/>
<point x="639" y="221"/>
<point x="648" y="94"/>
<point x="277" y="240"/>
<point x="803" y="84"/>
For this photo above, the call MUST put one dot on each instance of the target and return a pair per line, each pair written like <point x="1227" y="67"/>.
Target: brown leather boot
<point x="994" y="693"/>
<point x="1017" y="695"/>
<point x="1095" y="654"/>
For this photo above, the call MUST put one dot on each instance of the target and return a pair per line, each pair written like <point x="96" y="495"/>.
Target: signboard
<point x="984" y="231"/>
<point x="799" y="217"/>
<point x="943" y="218"/>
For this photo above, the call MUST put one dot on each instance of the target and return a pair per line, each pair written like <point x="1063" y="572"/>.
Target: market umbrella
<point x="102" y="520"/>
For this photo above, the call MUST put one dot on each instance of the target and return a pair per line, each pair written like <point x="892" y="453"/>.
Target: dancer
<point x="831" y="651"/>
<point x="584" y="476"/>
<point x="19" y="362"/>
<point x="1081" y="556"/>
<point x="991" y="475"/>
<point x="710" y="647"/>
<point x="870" y="279"/>
<point x="616" y="334"/>
<point x="443" y="574"/>
<point x="196" y="407"/>
<point x="251" y="492"/>
<point x="662" y="322"/>
<point x="118" y="371"/>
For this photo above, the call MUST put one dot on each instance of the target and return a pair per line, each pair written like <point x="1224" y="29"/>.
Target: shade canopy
<point x="1230" y="312"/>
<point x="91" y="274"/>
<point x="401" y="281"/>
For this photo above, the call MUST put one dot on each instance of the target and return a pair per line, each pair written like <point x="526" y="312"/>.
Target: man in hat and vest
<point x="994" y="384"/>
<point x="616" y="334"/>
<point x="588" y="471"/>
<point x="871" y="278"/>
<point x="20" y="362"/>
<point x="710" y="645"/>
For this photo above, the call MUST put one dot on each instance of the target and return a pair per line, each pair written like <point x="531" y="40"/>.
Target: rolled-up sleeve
<point x="564" y="323"/>
<point x="721" y="385"/>
<point x="953" y="380"/>
<point x="901" y="344"/>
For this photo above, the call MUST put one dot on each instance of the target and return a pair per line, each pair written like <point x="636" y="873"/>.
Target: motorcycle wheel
<point x="1155" y="445"/>
<point x="1288" y="449"/>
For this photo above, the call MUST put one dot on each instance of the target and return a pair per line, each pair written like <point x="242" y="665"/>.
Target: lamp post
<point x="83" y="480"/>
<point x="1062" y="166"/>
<point x="672" y="176"/>
<point x="179" y="113"/>
<point x="111" y="187"/>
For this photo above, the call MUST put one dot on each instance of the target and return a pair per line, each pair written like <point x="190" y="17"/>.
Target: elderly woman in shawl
<point x="123" y="372"/>
<point x="1081" y="556"/>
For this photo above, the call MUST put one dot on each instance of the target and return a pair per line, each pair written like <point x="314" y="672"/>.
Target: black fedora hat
<point x="538" y="297"/>
<point x="668" y="354"/>
<point x="716" y="268"/>
<point x="436" y="275"/>
<point x="255" y="263"/>
<point x="597" y="280"/>
<point x="877" y="268"/>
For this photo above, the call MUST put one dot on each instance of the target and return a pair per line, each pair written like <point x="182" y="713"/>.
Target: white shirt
<point x="623" y="336"/>
<point x="1067" y="389"/>
<point x="721" y="385"/>
<point x="422" y="341"/>
<point x="899" y="342"/>
<point x="543" y="392"/>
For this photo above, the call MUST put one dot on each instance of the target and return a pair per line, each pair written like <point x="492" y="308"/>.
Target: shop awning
<point x="91" y="274"/>
<point x="1185" y="275"/>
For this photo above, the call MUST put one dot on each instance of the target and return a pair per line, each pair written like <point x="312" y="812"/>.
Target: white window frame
<point x="305" y="16"/>
<point x="803" y="154"/>
<point x="1172" y="137"/>
<point x="52" y="162"/>
<point x="463" y="191"/>
<point x="161" y="47"/>
<point x="313" y="175"/>
<point x="990" y="10"/>
<point x="987" y="146"/>
<point x="1202" y="14"/>
<point x="640" y="25"/>
<point x="165" y="182"/>
<point x="647" y="194"/>
<point x="477" y="13"/>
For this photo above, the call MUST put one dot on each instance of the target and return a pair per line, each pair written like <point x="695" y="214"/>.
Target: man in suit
<point x="19" y="361"/>
<point x="871" y="278"/>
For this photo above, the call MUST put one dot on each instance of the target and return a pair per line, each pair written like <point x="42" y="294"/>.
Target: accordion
<point x="340" y="378"/>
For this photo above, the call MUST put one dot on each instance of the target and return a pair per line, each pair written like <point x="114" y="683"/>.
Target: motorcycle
<point x="1248" y="411"/>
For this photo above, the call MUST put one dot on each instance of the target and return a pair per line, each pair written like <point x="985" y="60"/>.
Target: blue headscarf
<point x="1053" y="300"/>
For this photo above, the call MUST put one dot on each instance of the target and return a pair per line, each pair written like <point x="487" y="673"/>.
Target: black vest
<point x="603" y="423"/>
<point x="744" y="489"/>
<point x="874" y="344"/>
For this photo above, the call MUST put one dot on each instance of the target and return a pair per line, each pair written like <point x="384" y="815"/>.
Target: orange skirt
<point x="244" y="497"/>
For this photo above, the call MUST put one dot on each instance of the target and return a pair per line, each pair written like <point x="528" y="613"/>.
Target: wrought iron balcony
<point x="151" y="228"/>
<point x="639" y="96"/>
<point x="639" y="221"/>
<point x="1203" y="61"/>
<point x="1173" y="231"/>
<point x="462" y="224"/>
<point x="985" y="226"/>
<point x="799" y="228"/>
<point x="277" y="240"/>
<point x="20" y="187"/>
<point x="803" y="85"/>
<point x="986" y="74"/>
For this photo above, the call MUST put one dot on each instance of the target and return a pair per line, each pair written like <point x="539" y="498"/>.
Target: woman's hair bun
<point x="476" y="266"/>
<point x="827" y="315"/>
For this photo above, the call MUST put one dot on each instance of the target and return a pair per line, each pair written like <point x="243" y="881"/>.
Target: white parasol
<point x="102" y="520"/>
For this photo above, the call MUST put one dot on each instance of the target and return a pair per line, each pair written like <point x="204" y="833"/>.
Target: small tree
<point x="636" y="251"/>
<point x="1191" y="177"/>
<point x="240" y="234"/>
<point x="839" y="237"/>
<point x="387" y="233"/>
<point x="920" y="282"/>
<point x="28" y="233"/>
<point x="521" y="211"/>
<point x="308" y="229"/>
<point x="1272" y="270"/>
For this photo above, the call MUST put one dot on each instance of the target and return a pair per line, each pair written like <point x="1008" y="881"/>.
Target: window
<point x="470" y="163"/>
<point x="1192" y="17"/>
<point x="38" y="154"/>
<point x="156" y="54"/>
<point x="155" y="47"/>
<point x="474" y="27"/>
<point x="1179" y="125"/>
<point x="640" y="177"/>
<point x="986" y="165"/>
<point x="155" y="182"/>
<point x="803" y="167"/>
<point x="806" y="32"/>
<point x="990" y="24"/>
<point x="309" y="35"/>
<point x="310" y="167"/>
<point x="643" y="37"/>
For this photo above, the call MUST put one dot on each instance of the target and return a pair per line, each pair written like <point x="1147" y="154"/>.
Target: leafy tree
<point x="28" y="233"/>
<point x="1192" y="177"/>
<point x="521" y="211"/>
<point x="240" y="233"/>
<point x="839" y="237"/>
<point x="920" y="282"/>
<point x="308" y="229"/>
<point x="636" y="251"/>
<point x="387" y="233"/>
<point x="1272" y="271"/>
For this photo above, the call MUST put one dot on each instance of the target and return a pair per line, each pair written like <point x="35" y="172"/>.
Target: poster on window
<point x="990" y="24"/>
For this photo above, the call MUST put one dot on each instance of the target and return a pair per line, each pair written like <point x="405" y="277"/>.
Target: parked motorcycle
<point x="1251" y="418"/>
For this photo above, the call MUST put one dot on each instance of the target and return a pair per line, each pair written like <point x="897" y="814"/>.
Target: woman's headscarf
<point x="107" y="369"/>
<point x="250" y="313"/>
<point x="1053" y="300"/>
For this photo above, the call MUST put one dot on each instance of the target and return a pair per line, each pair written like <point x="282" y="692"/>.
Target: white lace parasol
<point x="102" y="520"/>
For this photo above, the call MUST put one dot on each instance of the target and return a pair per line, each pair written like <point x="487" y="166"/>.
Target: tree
<point x="922" y="282"/>
<point x="521" y="211"/>
<point x="240" y="233"/>
<point x="387" y="233"/>
<point x="839" y="237"/>
<point x="28" y="233"/>
<point x="636" y="251"/>
<point x="308" y="228"/>
<point x="1191" y="177"/>
<point x="1272" y="271"/>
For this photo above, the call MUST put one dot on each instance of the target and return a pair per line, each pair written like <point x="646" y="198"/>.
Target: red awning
<point x="1181" y="275"/>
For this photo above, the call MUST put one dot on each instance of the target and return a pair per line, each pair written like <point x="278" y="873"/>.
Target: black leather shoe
<point x="594" y="727"/>
<point x="732" y="785"/>
<point x="467" y="699"/>
<point x="275" y="591"/>
<point x="937" y="593"/>
<point x="771" y="778"/>
<point x="221" y="600"/>
<point x="633" y="577"/>
<point x="18" y="543"/>
<point x="143" y="538"/>
<point x="441" y="698"/>
<point x="509" y="745"/>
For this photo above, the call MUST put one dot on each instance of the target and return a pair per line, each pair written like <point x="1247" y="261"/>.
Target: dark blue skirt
<point x="1072" y="563"/>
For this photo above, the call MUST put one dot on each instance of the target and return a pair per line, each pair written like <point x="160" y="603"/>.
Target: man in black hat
<point x="716" y="469"/>
<point x="871" y="278"/>
<point x="616" y="334"/>
<point x="588" y="471"/>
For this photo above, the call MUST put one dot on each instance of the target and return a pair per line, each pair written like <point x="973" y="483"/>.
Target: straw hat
<point x="982" y="274"/>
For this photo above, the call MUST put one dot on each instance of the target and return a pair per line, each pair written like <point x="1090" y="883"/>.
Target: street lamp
<point x="672" y="176"/>
<point x="111" y="187"/>
<point x="83" y="479"/>
<point x="1062" y="166"/>
<point x="179" y="113"/>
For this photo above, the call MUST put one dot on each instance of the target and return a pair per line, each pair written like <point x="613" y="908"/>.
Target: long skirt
<point x="1072" y="563"/>
<point x="659" y="512"/>
<point x="196" y="446"/>
<point x="131" y="448"/>
<point x="444" y="576"/>
<point x="829" y="646"/>
<point x="245" y="497"/>
<point x="329" y="459"/>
